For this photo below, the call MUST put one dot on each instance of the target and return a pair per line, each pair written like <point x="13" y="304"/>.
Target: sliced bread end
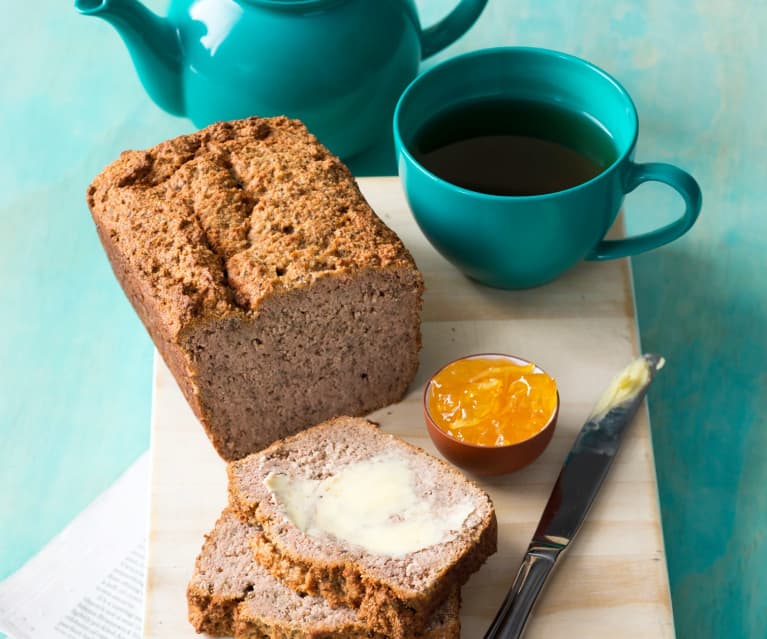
<point x="230" y="594"/>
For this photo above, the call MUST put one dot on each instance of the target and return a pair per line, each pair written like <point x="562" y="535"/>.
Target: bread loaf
<point x="273" y="292"/>
<point x="365" y="520"/>
<point x="230" y="594"/>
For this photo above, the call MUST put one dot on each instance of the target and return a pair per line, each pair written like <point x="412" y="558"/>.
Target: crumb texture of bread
<point x="274" y="293"/>
<point x="230" y="594"/>
<point x="394" y="594"/>
<point x="224" y="573"/>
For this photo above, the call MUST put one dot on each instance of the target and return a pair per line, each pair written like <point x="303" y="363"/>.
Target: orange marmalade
<point x="491" y="401"/>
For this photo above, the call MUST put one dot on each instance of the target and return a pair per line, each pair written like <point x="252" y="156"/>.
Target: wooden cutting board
<point x="581" y="329"/>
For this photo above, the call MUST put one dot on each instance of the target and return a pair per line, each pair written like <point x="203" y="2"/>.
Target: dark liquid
<point x="506" y="147"/>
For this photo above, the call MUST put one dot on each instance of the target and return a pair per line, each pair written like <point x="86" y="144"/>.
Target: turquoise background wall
<point x="76" y="363"/>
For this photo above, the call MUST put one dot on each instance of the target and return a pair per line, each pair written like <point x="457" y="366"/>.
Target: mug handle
<point x="683" y="183"/>
<point x="451" y="27"/>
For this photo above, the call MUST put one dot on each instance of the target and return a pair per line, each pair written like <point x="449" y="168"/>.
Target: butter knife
<point x="573" y="494"/>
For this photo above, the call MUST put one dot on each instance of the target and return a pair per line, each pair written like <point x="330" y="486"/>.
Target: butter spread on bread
<point x="372" y="503"/>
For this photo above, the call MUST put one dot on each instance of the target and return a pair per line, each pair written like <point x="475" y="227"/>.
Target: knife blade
<point x="579" y="481"/>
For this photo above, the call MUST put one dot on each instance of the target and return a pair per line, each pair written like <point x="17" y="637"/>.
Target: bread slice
<point x="274" y="293"/>
<point x="224" y="574"/>
<point x="229" y="593"/>
<point x="395" y="589"/>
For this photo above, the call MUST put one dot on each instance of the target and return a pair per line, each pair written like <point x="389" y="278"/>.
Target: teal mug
<point x="512" y="241"/>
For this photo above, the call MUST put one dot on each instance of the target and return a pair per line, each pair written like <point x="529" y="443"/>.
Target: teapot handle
<point x="451" y="27"/>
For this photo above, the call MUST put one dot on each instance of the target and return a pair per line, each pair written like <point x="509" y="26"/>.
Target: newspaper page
<point x="88" y="582"/>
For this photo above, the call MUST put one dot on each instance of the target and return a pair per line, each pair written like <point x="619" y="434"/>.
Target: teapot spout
<point x="153" y="43"/>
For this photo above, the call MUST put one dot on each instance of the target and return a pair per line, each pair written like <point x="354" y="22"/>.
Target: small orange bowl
<point x="490" y="460"/>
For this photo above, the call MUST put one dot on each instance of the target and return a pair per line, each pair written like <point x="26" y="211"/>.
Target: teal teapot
<point x="338" y="65"/>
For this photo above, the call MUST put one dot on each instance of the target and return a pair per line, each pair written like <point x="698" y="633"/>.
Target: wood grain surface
<point x="612" y="583"/>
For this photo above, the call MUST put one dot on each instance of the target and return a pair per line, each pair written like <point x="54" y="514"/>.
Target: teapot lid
<point x="294" y="4"/>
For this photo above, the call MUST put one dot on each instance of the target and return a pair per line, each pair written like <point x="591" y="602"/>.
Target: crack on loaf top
<point x="240" y="210"/>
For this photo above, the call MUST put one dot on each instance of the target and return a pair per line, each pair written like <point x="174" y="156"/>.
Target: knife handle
<point x="512" y="617"/>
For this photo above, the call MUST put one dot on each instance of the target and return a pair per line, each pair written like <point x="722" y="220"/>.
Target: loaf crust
<point x="343" y="575"/>
<point x="230" y="594"/>
<point x="274" y="294"/>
